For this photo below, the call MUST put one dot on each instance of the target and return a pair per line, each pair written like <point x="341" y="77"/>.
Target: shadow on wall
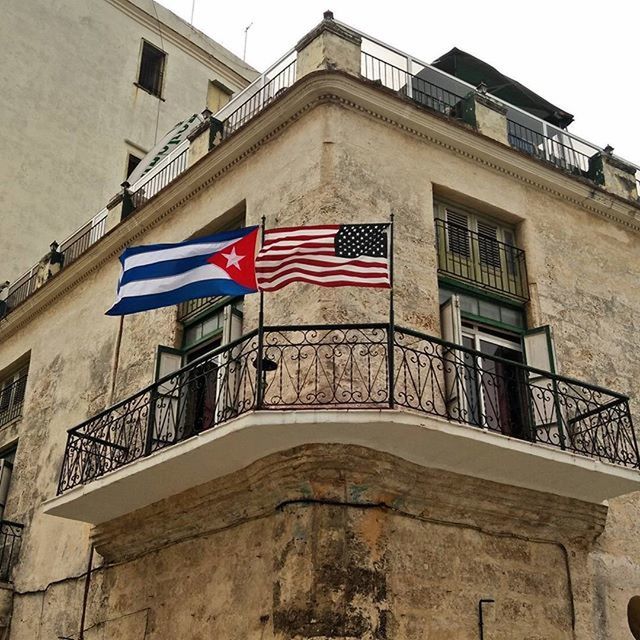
<point x="633" y="614"/>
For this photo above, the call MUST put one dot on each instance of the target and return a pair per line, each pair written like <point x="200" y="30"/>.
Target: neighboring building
<point x="465" y="473"/>
<point x="87" y="89"/>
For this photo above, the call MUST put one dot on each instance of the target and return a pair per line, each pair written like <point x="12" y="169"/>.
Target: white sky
<point x="581" y="55"/>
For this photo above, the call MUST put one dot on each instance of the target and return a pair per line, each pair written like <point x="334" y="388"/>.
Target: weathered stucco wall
<point x="82" y="107"/>
<point x="419" y="574"/>
<point x="333" y="541"/>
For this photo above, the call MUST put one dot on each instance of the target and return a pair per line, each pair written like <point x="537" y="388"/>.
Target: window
<point x="217" y="95"/>
<point x="480" y="251"/>
<point x="488" y="383"/>
<point x="7" y="457"/>
<point x="12" y="390"/>
<point x="633" y="616"/>
<point x="152" y="61"/>
<point x="132" y="163"/>
<point x="479" y="308"/>
<point x="210" y="390"/>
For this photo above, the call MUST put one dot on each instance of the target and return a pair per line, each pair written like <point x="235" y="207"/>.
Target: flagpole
<point x="259" y="364"/>
<point x="392" y="330"/>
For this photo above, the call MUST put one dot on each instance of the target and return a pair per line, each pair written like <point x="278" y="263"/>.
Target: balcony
<point x="427" y="400"/>
<point x="481" y="260"/>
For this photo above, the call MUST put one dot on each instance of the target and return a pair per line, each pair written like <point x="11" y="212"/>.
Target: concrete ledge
<point x="429" y="442"/>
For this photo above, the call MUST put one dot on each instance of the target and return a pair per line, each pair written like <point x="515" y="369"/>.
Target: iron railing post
<point x="259" y="366"/>
<point x="556" y="402"/>
<point x="148" y="439"/>
<point x="391" y="338"/>
<point x="634" y="439"/>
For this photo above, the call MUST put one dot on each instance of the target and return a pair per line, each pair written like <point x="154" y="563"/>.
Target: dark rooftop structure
<point x="463" y="65"/>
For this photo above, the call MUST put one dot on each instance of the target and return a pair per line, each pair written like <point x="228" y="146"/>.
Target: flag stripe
<point x="174" y="253"/>
<point x="300" y="237"/>
<point x="345" y="270"/>
<point x="176" y="281"/>
<point x="163" y="269"/>
<point x="200" y="289"/>
<point x="326" y="280"/>
<point x="300" y="251"/>
<point x="364" y="262"/>
<point x="313" y="243"/>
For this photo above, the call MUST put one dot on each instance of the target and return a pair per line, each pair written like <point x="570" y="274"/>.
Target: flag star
<point x="233" y="259"/>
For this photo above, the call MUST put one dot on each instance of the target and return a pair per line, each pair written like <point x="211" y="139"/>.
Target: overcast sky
<point x="581" y="55"/>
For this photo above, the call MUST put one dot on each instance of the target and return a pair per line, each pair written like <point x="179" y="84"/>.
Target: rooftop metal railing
<point x="267" y="91"/>
<point x="367" y="366"/>
<point x="167" y="171"/>
<point x="74" y="246"/>
<point x="418" y="89"/>
<point x="563" y="149"/>
<point x="557" y="150"/>
<point x="21" y="289"/>
<point x="71" y="248"/>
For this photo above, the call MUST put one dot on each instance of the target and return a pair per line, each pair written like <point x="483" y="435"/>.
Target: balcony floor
<point x="428" y="441"/>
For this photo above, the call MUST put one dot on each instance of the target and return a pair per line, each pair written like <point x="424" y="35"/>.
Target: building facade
<point x="89" y="89"/>
<point x="467" y="470"/>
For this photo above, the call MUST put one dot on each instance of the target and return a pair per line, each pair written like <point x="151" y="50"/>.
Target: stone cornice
<point x="306" y="94"/>
<point x="383" y="104"/>
<point x="357" y="477"/>
<point x="203" y="56"/>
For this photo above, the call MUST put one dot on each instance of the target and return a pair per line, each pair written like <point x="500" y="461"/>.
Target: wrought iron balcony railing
<point x="481" y="260"/>
<point x="10" y="540"/>
<point x="369" y="366"/>
<point x="12" y="400"/>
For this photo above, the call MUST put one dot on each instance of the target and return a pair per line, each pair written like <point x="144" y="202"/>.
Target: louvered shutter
<point x="458" y="233"/>
<point x="488" y="247"/>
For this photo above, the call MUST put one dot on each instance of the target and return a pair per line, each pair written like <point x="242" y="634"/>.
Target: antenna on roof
<point x="193" y="8"/>
<point x="244" y="52"/>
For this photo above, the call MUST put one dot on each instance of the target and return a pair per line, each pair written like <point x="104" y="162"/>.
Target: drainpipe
<point x="85" y="597"/>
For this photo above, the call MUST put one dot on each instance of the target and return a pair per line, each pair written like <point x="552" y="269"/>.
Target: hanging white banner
<point x="177" y="135"/>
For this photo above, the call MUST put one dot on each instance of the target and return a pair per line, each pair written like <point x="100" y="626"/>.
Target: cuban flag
<point x="160" y="275"/>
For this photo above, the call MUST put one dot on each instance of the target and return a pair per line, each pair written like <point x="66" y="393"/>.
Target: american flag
<point x="330" y="255"/>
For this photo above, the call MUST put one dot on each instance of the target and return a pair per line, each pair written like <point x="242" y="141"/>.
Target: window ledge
<point x="10" y="423"/>
<point x="155" y="95"/>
